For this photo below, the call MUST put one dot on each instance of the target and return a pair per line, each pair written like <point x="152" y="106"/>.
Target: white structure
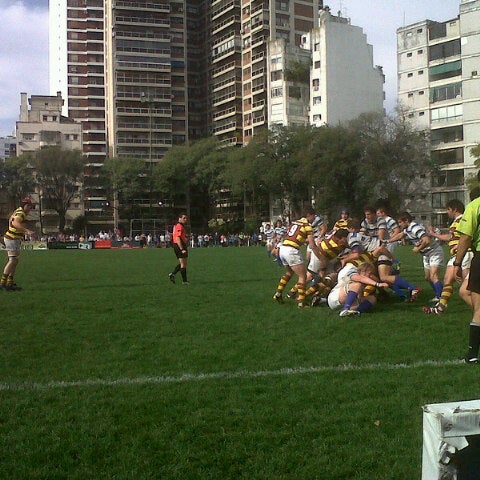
<point x="451" y="433"/>
<point x="57" y="28"/>
<point x="43" y="125"/>
<point x="287" y="98"/>
<point x="439" y="88"/>
<point x="344" y="81"/>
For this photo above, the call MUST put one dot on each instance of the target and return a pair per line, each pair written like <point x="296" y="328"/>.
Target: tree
<point x="16" y="179"/>
<point x="124" y="179"/>
<point x="189" y="174"/>
<point x="59" y="175"/>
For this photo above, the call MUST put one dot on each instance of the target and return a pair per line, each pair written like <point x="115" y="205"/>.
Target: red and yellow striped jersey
<point x="329" y="248"/>
<point x="297" y="233"/>
<point x="12" y="233"/>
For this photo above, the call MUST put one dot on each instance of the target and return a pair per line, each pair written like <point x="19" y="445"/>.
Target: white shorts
<point x="467" y="259"/>
<point x="290" y="256"/>
<point x="434" y="258"/>
<point x="12" y="245"/>
<point x="332" y="298"/>
<point x="314" y="263"/>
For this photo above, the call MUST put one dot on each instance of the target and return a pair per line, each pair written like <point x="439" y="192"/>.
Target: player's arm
<point x="464" y="243"/>
<point x="322" y="230"/>
<point x="444" y="237"/>
<point x="313" y="246"/>
<point x="357" y="277"/>
<point x="396" y="237"/>
<point x="424" y="242"/>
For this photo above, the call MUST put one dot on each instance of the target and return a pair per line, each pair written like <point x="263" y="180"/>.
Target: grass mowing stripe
<point x="187" y="377"/>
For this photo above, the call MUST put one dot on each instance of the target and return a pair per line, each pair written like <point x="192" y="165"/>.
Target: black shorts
<point x="179" y="253"/>
<point x="474" y="276"/>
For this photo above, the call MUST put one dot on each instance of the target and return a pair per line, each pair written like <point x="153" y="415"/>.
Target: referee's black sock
<point x="176" y="269"/>
<point x="183" y="272"/>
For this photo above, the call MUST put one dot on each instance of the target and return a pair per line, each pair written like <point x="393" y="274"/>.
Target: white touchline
<point x="199" y="377"/>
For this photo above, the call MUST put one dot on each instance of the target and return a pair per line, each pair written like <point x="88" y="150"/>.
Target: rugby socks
<point x="447" y="292"/>
<point x="183" y="272"/>
<point x="474" y="340"/>
<point x="437" y="288"/>
<point x="351" y="297"/>
<point x="3" y="281"/>
<point x="176" y="269"/>
<point x="283" y="282"/>
<point x="365" y="306"/>
<point x="300" y="292"/>
<point x="401" y="283"/>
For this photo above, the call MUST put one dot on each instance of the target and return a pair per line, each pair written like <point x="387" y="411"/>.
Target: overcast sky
<point x="24" y="43"/>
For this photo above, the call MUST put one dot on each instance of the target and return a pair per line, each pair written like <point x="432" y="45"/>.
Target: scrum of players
<point x="353" y="264"/>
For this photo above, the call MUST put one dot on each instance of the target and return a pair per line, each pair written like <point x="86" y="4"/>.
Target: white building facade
<point x="342" y="83"/>
<point x="439" y="90"/>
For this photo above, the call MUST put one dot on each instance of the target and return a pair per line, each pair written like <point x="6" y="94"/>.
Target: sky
<point x="24" y="43"/>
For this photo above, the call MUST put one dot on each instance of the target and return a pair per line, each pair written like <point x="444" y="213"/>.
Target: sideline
<point x="199" y="377"/>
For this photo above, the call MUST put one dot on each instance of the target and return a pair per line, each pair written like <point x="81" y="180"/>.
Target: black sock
<point x="176" y="269"/>
<point x="474" y="340"/>
<point x="183" y="271"/>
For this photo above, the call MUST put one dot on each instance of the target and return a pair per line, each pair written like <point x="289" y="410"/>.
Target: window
<point x="420" y="52"/>
<point x="317" y="100"/>
<point x="317" y="64"/>
<point x="410" y="94"/>
<point x="28" y="136"/>
<point x="444" y="50"/>
<point x="421" y="92"/>
<point x="409" y="54"/>
<point x="447" y="113"/>
<point x="317" y="118"/>
<point x="421" y="114"/>
<point x="420" y="30"/>
<point x="276" y="92"/>
<point x="410" y="75"/>
<point x="446" y="92"/>
<point x="276" y="75"/>
<point x="316" y="84"/>
<point x="316" y="47"/>
<point x="420" y="72"/>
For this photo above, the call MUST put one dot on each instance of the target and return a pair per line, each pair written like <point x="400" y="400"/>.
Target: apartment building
<point x="439" y="88"/>
<point x="41" y="124"/>
<point x="262" y="21"/>
<point x="330" y="78"/>
<point x="8" y="147"/>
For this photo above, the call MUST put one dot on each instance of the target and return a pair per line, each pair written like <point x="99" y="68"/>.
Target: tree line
<point x="348" y="165"/>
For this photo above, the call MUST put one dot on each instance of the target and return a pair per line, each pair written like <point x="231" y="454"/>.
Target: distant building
<point x="330" y="79"/>
<point x="8" y="147"/>
<point x="41" y="125"/>
<point x="439" y="88"/>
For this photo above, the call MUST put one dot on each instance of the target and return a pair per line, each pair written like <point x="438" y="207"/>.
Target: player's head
<point x="345" y="213"/>
<point x="182" y="218"/>
<point x="404" y="219"/>
<point x="455" y="207"/>
<point x="27" y="204"/>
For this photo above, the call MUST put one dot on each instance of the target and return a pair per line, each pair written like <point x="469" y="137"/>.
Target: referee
<point x="180" y="248"/>
<point x="469" y="229"/>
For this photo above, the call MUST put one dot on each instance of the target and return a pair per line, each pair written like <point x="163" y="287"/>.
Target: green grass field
<point x="108" y="371"/>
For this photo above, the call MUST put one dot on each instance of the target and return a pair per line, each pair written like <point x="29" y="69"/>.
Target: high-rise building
<point x="330" y="79"/>
<point x="438" y="86"/>
<point x="262" y="21"/>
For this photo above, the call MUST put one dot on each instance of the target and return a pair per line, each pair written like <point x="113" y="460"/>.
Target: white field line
<point x="199" y="377"/>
